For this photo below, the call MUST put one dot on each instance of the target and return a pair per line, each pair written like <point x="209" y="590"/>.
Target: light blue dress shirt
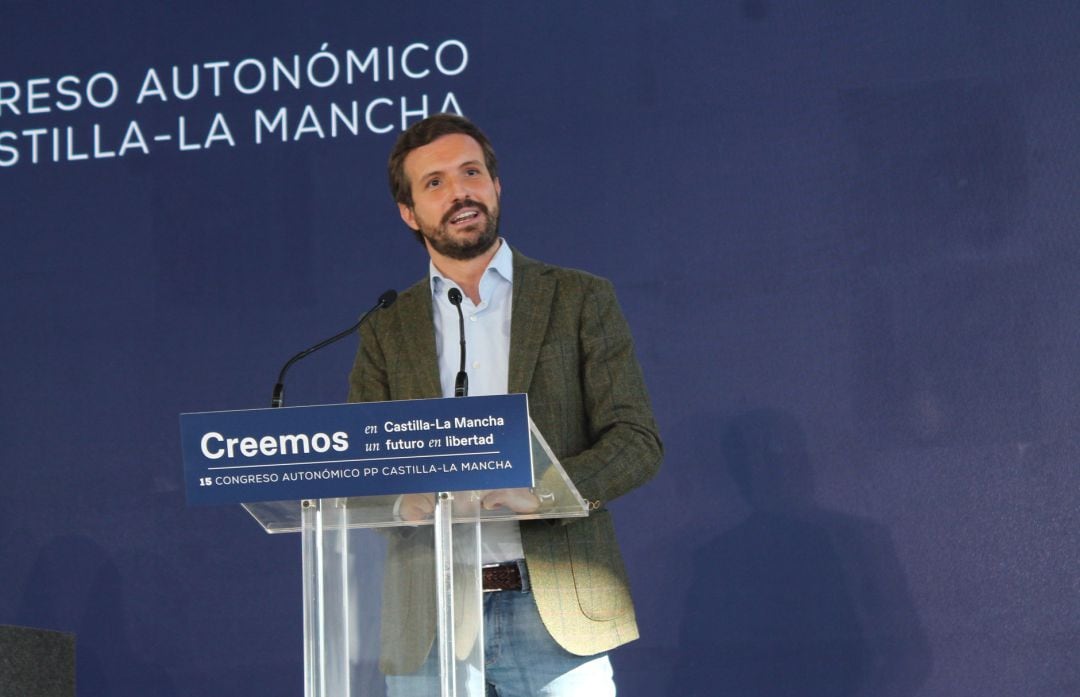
<point x="487" y="353"/>
<point x="487" y="328"/>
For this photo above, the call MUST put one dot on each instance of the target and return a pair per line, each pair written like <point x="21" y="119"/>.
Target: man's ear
<point x="498" y="187"/>
<point x="408" y="216"/>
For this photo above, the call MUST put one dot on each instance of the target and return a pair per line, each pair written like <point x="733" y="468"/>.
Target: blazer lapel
<point x="534" y="289"/>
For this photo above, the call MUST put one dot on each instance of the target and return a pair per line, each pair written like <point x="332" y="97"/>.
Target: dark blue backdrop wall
<point x="843" y="233"/>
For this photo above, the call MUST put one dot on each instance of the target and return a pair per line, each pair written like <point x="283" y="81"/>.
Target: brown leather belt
<point x="502" y="577"/>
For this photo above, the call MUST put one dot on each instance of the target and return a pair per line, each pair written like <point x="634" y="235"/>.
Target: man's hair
<point x="424" y="132"/>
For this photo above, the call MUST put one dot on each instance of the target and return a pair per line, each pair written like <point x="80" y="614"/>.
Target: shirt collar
<point x="502" y="264"/>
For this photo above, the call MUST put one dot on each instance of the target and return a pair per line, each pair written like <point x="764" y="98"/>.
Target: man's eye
<point x="432" y="183"/>
<point x="472" y="172"/>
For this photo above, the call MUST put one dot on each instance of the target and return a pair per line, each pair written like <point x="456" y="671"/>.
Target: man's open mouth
<point x="464" y="217"/>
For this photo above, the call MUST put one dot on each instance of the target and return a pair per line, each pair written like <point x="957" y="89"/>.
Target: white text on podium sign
<point x="364" y="449"/>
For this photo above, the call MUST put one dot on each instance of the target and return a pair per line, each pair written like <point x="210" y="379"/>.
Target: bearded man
<point x="559" y="336"/>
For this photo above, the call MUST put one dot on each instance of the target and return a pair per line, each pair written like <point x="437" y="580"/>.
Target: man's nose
<point x="459" y="188"/>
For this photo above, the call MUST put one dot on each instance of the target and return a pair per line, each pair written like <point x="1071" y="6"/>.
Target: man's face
<point x="455" y="200"/>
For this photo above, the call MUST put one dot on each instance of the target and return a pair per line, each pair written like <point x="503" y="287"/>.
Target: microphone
<point x="385" y="300"/>
<point x="461" y="383"/>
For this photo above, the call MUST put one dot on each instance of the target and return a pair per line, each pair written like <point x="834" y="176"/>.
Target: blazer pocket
<point x="600" y="580"/>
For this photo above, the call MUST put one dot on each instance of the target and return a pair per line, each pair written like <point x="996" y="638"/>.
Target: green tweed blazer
<point x="572" y="353"/>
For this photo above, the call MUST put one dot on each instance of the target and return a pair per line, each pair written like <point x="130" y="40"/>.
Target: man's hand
<point x="517" y="500"/>
<point x="416" y="507"/>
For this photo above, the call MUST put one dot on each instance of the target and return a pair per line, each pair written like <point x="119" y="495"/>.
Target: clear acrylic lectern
<point x="387" y="601"/>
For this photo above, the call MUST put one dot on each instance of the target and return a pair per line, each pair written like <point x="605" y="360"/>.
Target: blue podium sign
<point x="367" y="449"/>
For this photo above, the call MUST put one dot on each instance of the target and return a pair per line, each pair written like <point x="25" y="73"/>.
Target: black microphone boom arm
<point x="276" y="400"/>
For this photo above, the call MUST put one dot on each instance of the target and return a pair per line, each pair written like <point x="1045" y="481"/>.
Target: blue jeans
<point x="520" y="658"/>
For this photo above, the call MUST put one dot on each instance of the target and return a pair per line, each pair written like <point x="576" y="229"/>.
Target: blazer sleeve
<point x="625" y="447"/>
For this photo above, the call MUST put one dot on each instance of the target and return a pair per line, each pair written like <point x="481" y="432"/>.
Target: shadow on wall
<point x="75" y="586"/>
<point x="795" y="600"/>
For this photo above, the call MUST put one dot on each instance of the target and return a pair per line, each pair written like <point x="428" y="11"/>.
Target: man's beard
<point x="464" y="249"/>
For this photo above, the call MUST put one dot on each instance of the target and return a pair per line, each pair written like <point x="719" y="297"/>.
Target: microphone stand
<point x="276" y="400"/>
